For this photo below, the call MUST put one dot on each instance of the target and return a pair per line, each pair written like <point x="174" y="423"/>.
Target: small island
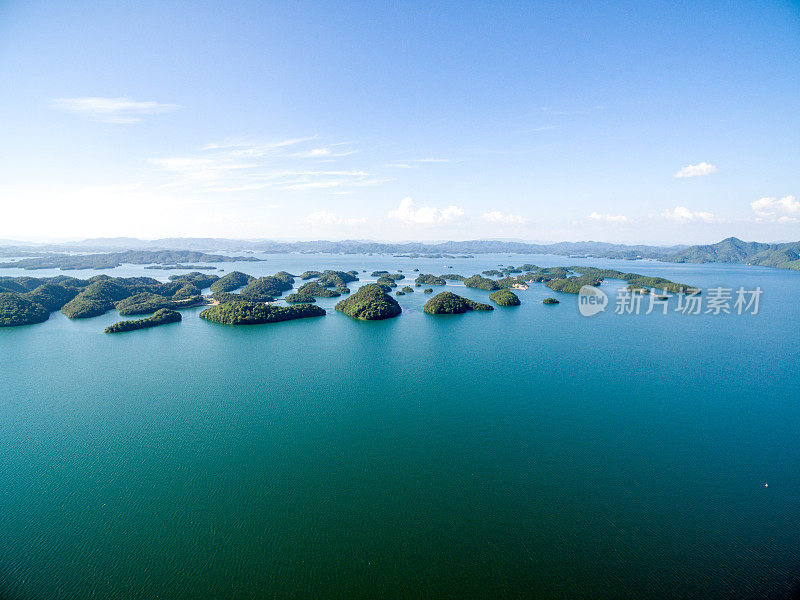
<point x="386" y="280"/>
<point x="430" y="279"/>
<point x="504" y="298"/>
<point x="160" y="317"/>
<point x="550" y="301"/>
<point x="338" y="279"/>
<point x="255" y="313"/>
<point x="448" y="303"/>
<point x="482" y="283"/>
<point x="370" y="303"/>
<point x="180" y="267"/>
<point x="427" y="291"/>
<point x="572" y="285"/>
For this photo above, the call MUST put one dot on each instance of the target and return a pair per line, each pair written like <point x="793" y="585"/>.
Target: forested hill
<point x="734" y="250"/>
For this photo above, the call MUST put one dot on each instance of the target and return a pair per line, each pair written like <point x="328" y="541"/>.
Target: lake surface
<point x="526" y="452"/>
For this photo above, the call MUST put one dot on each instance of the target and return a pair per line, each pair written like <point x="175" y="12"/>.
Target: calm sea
<point x="526" y="452"/>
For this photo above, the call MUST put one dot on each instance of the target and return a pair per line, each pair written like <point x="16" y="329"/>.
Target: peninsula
<point x="160" y="317"/>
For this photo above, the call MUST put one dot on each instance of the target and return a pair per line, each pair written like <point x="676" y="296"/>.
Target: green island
<point x="504" y="298"/>
<point x="386" y="280"/>
<point x="370" y="303"/>
<point x="180" y="267"/>
<point x="399" y="293"/>
<point x="427" y="291"/>
<point x="337" y="278"/>
<point x="428" y="279"/>
<point x="572" y="285"/>
<point x="256" y="313"/>
<point x="635" y="280"/>
<point x="482" y="283"/>
<point x="550" y="301"/>
<point x="160" y="317"/>
<point x="408" y="290"/>
<point x="112" y="260"/>
<point x="448" y="303"/>
<point x="15" y="310"/>
<point x="328" y="278"/>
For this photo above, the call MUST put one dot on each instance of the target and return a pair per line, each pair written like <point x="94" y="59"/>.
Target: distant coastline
<point x="110" y="252"/>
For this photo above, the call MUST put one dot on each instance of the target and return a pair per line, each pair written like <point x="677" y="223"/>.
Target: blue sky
<point x="631" y="122"/>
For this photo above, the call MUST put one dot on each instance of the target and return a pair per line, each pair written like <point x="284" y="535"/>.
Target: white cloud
<point x="496" y="216"/>
<point x="250" y="148"/>
<point x="325" y="218"/>
<point x="697" y="170"/>
<point x="246" y="166"/>
<point x="112" y="110"/>
<point x="681" y="214"/>
<point x="596" y="216"/>
<point x="414" y="163"/>
<point x="425" y="215"/>
<point x="324" y="152"/>
<point x="783" y="210"/>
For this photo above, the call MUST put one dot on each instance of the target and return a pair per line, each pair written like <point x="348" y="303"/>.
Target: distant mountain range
<point x="730" y="250"/>
<point x="734" y="250"/>
<point x="356" y="247"/>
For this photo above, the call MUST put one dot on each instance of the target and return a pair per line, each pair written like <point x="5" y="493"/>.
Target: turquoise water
<point x="527" y="452"/>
